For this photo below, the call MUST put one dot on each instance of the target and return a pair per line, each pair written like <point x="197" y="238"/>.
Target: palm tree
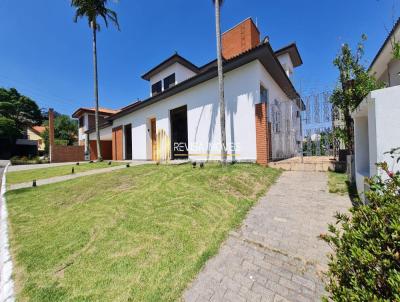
<point x="93" y="9"/>
<point x="217" y="4"/>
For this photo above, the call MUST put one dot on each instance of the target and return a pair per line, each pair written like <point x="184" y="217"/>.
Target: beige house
<point x="35" y="134"/>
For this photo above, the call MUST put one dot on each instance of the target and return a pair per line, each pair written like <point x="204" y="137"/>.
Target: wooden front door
<point x="153" y="133"/>
<point x="117" y="143"/>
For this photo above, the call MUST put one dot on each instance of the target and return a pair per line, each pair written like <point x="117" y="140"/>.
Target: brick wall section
<point x="262" y="134"/>
<point x="239" y="39"/>
<point x="63" y="154"/>
<point x="106" y="150"/>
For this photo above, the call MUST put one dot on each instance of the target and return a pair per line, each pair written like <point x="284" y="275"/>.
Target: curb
<point x="6" y="266"/>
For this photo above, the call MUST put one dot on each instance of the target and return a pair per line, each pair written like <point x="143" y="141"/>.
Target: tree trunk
<point x="348" y="120"/>
<point x="96" y="92"/>
<point x="220" y="82"/>
<point x="349" y="131"/>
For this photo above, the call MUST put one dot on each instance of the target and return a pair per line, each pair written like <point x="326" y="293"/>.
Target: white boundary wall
<point x="6" y="266"/>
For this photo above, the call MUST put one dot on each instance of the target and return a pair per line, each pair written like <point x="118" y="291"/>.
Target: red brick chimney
<point x="240" y="38"/>
<point x="51" y="133"/>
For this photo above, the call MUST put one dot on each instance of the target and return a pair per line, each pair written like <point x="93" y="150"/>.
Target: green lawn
<point x="137" y="234"/>
<point x="338" y="183"/>
<point x="43" y="173"/>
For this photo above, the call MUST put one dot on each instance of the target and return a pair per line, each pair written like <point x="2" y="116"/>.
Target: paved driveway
<point x="276" y="254"/>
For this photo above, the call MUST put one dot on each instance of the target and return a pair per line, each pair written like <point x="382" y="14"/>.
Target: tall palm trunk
<point x="220" y="81"/>
<point x="96" y="91"/>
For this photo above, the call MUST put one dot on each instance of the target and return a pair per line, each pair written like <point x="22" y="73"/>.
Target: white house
<point x="181" y="120"/>
<point x="377" y="118"/>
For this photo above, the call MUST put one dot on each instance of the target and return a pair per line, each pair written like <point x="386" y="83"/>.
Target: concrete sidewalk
<point x="41" y="166"/>
<point x="276" y="255"/>
<point x="56" y="179"/>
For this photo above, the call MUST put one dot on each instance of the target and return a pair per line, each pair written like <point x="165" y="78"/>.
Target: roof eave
<point x="244" y="58"/>
<point x="293" y="53"/>
<point x="176" y="58"/>
<point x="395" y="27"/>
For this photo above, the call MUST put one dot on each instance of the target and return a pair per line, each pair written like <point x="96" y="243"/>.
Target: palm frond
<point x="91" y="9"/>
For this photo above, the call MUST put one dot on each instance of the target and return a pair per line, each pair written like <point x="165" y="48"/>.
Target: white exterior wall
<point x="81" y="131"/>
<point x="283" y="142"/>
<point x="394" y="70"/>
<point x="387" y="108"/>
<point x="242" y="92"/>
<point x="105" y="134"/>
<point x="377" y="120"/>
<point x="181" y="73"/>
<point x="286" y="63"/>
<point x="241" y="89"/>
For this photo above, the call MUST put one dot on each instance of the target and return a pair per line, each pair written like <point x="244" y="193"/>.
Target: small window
<point x="264" y="95"/>
<point x="169" y="81"/>
<point x="81" y="122"/>
<point x="156" y="88"/>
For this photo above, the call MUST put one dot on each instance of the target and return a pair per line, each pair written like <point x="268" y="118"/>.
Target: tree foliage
<point x="396" y="50"/>
<point x="354" y="84"/>
<point x="65" y="131"/>
<point x="8" y="129"/>
<point x="91" y="9"/>
<point x="17" y="112"/>
<point x="366" y="263"/>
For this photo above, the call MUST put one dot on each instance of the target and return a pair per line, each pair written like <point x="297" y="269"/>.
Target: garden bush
<point x="23" y="160"/>
<point x="365" y="265"/>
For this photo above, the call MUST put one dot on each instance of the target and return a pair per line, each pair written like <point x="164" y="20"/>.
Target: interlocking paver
<point x="276" y="254"/>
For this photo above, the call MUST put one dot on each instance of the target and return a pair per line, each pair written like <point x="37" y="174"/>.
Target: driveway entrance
<point x="276" y="254"/>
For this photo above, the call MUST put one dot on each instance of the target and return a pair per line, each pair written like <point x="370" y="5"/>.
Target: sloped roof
<point x="103" y="111"/>
<point x="38" y="129"/>
<point x="263" y="53"/>
<point x="385" y="43"/>
<point x="175" y="58"/>
<point x="293" y="52"/>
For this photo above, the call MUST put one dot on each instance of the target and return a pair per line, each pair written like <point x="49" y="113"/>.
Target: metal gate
<point x="285" y="129"/>
<point x="317" y="120"/>
<point x="296" y="133"/>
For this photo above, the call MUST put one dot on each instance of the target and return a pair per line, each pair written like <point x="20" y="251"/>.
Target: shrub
<point x="61" y="142"/>
<point x="16" y="160"/>
<point x="366" y="262"/>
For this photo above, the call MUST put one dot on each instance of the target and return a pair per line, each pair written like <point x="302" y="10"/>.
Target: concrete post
<point x="51" y="133"/>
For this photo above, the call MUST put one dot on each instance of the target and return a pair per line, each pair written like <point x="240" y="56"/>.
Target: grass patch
<point x="138" y="234"/>
<point x="17" y="177"/>
<point x="338" y="183"/>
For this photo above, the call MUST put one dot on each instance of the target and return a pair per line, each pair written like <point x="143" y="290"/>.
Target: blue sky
<point x="49" y="58"/>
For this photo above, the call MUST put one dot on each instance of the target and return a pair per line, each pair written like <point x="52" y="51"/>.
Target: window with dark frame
<point x="264" y="95"/>
<point x="81" y="122"/>
<point x="156" y="88"/>
<point x="169" y="81"/>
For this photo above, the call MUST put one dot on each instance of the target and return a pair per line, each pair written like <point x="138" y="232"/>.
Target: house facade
<point x="86" y="122"/>
<point x="35" y="133"/>
<point x="180" y="119"/>
<point x="376" y="120"/>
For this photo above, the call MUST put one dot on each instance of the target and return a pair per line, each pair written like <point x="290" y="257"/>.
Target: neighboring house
<point x="377" y="118"/>
<point x="35" y="134"/>
<point x="180" y="119"/>
<point x="86" y="121"/>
